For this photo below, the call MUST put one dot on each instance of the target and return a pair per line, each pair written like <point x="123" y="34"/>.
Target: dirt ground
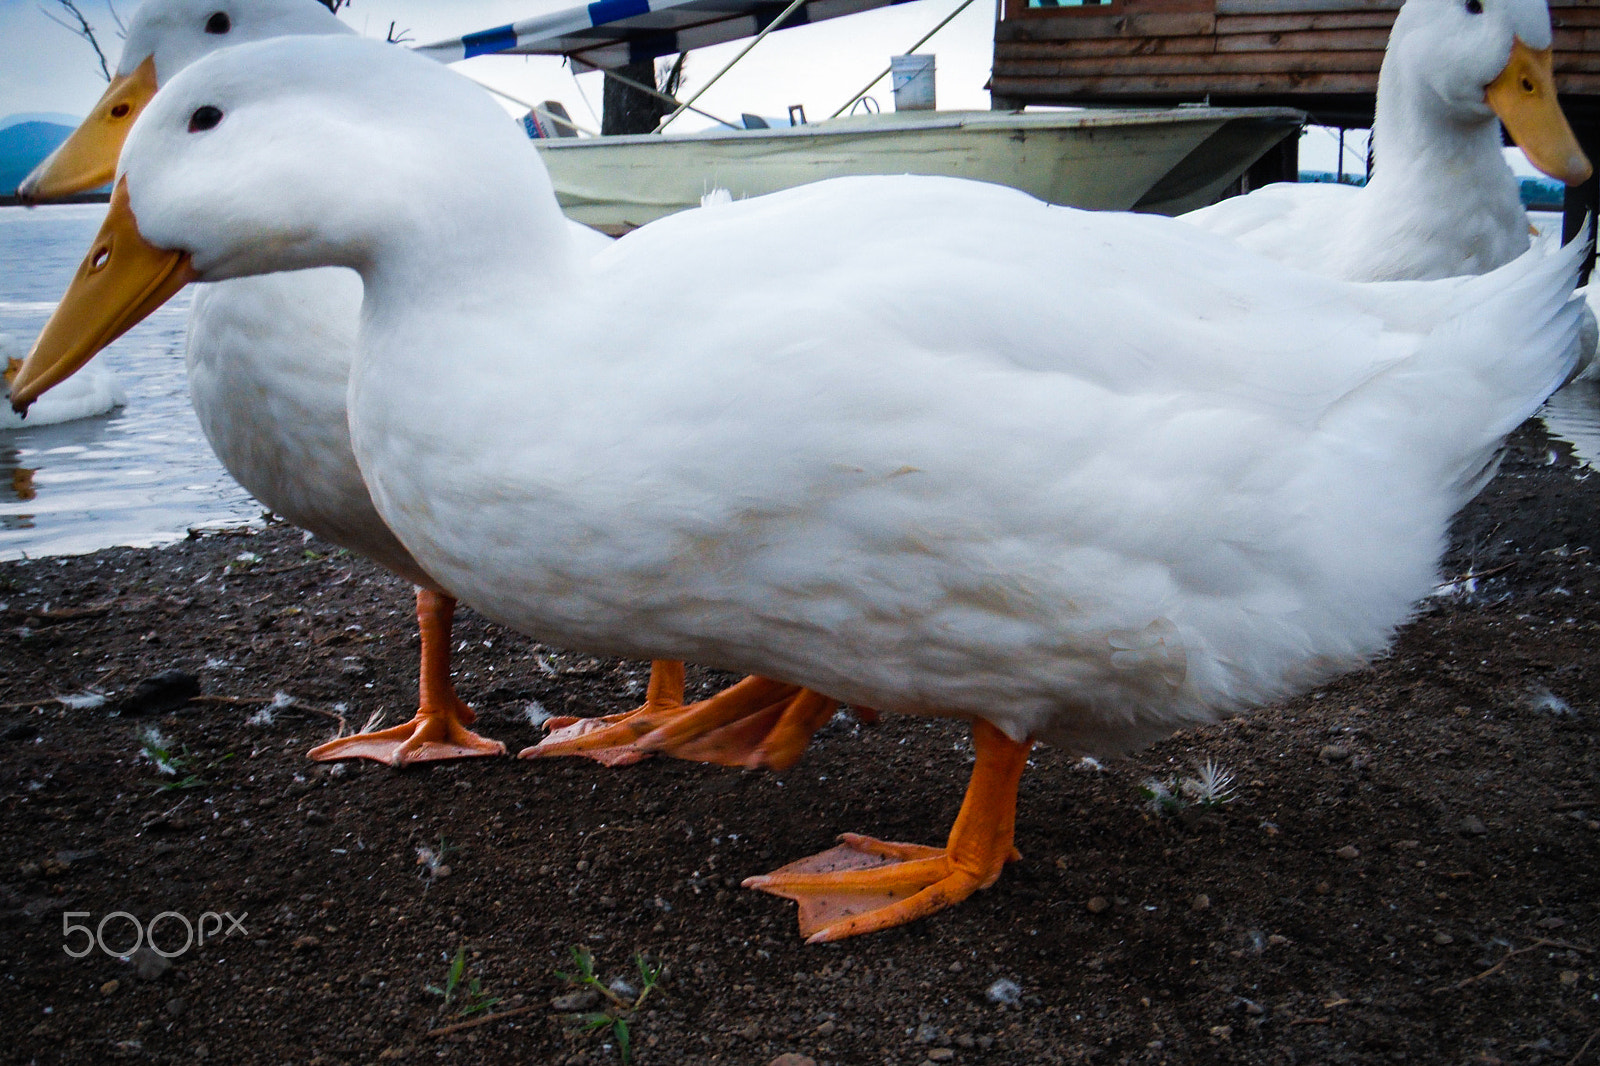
<point x="1409" y="870"/>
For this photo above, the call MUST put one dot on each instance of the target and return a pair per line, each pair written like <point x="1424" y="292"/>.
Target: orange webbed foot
<point x="755" y="723"/>
<point x="865" y="885"/>
<point x="431" y="736"/>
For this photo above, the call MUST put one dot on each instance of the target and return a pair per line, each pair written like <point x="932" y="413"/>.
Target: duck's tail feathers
<point x="1508" y="340"/>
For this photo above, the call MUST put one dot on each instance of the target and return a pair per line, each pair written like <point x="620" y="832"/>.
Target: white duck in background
<point x="1442" y="202"/>
<point x="269" y="358"/>
<point x="1188" y="482"/>
<point x="98" y="393"/>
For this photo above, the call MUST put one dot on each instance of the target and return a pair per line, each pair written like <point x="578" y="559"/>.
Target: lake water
<point x="140" y="475"/>
<point x="143" y="474"/>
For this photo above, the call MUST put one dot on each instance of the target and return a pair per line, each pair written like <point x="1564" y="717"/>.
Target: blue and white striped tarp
<point x="610" y="33"/>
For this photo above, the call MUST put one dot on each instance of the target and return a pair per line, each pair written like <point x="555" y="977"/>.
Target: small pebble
<point x="110" y="987"/>
<point x="148" y="964"/>
<point x="1333" y="753"/>
<point x="941" y="1054"/>
<point x="1443" y="938"/>
<point x="159" y="693"/>
<point x="176" y="1007"/>
<point x="1472" y="826"/>
<point x="583" y="999"/>
<point x="1202" y="902"/>
<point x="827" y="1028"/>
<point x="1348" y="852"/>
<point x="1097" y="904"/>
<point x="1005" y="991"/>
<point x="793" y="1058"/>
<point x="1569" y="978"/>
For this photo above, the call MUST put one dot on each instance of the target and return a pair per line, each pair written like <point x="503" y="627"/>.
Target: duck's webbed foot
<point x="755" y="723"/>
<point x="864" y="885"/>
<point x="439" y="730"/>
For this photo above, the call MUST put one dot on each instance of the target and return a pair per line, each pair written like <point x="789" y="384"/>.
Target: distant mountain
<point x="25" y="140"/>
<point x="60" y="118"/>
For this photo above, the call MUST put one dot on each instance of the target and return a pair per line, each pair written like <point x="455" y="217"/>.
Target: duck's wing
<point x="977" y="273"/>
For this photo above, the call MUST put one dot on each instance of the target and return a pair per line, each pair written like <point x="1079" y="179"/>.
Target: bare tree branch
<point x="82" y="29"/>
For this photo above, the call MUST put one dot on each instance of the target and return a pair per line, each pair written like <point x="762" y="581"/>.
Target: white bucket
<point x="913" y="82"/>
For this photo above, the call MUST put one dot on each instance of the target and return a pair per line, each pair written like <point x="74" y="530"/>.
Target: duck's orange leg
<point x="865" y="885"/>
<point x="757" y="722"/>
<point x="439" y="730"/>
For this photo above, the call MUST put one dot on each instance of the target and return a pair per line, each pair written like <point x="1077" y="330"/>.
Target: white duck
<point x="1442" y="201"/>
<point x="1090" y="514"/>
<point x="269" y="358"/>
<point x="97" y="393"/>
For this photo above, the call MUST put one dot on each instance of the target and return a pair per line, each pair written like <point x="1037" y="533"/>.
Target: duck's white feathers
<point x="921" y="444"/>
<point x="1034" y="477"/>
<point x="269" y="364"/>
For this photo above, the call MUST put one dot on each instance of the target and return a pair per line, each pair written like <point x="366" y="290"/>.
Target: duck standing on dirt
<point x="1189" y="482"/>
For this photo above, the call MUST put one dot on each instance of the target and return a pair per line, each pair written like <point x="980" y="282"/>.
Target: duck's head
<point x="164" y="36"/>
<point x="1483" y="58"/>
<point x="287" y="154"/>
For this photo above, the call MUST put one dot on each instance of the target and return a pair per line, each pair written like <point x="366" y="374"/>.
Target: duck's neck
<point x="514" y="254"/>
<point x="1418" y="143"/>
<point x="1440" y="186"/>
<point x="450" y="291"/>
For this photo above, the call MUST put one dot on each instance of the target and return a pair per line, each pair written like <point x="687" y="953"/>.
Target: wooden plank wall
<point x="1175" y="50"/>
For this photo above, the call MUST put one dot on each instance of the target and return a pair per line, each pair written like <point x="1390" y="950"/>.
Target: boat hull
<point x="1167" y="160"/>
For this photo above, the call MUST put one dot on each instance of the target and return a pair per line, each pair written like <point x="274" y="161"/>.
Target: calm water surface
<point x="143" y="474"/>
<point x="140" y="475"/>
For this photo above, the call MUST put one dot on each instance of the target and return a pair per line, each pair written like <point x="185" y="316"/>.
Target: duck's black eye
<point x="1475" y="6"/>
<point x="204" y="118"/>
<point x="220" y="23"/>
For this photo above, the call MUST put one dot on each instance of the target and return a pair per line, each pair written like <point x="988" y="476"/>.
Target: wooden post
<point x="1280" y="163"/>
<point x="625" y="109"/>
<point x="1583" y="201"/>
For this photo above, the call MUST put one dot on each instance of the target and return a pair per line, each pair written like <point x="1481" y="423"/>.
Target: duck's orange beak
<point x="121" y="280"/>
<point x="1524" y="96"/>
<point x="88" y="159"/>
